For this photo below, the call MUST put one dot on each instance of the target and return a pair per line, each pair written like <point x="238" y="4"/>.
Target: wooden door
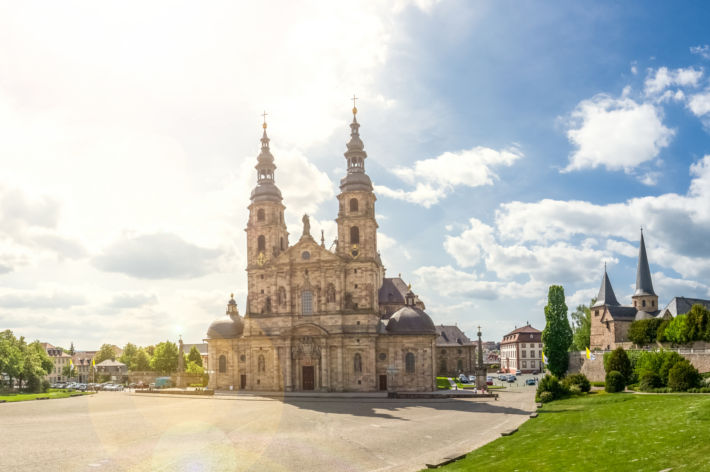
<point x="383" y="382"/>
<point x="243" y="382"/>
<point x="308" y="377"/>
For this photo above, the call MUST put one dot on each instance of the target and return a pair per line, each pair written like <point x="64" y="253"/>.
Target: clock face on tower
<point x="354" y="251"/>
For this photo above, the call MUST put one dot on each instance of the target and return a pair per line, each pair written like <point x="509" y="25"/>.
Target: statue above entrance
<point x="306" y="226"/>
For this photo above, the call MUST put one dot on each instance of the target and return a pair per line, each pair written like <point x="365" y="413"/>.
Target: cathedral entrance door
<point x="243" y="382"/>
<point x="383" y="382"/>
<point x="308" y="377"/>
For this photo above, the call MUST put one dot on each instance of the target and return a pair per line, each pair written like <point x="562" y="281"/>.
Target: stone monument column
<point x="480" y="368"/>
<point x="180" y="381"/>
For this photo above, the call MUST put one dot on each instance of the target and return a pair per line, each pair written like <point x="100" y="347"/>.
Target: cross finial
<point x="264" y="115"/>
<point x="354" y="105"/>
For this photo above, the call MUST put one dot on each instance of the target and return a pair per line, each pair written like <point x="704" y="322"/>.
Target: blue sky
<point x="513" y="145"/>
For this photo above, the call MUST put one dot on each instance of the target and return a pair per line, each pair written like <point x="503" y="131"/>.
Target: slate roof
<point x="644" y="286"/>
<point x="515" y="335"/>
<point x="622" y="312"/>
<point x="110" y="363"/>
<point x="606" y="293"/>
<point x="410" y="320"/>
<point x="682" y="305"/>
<point x="393" y="290"/>
<point x="451" y="335"/>
<point x="201" y="348"/>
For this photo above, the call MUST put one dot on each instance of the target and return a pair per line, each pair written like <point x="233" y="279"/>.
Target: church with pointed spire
<point x="318" y="318"/>
<point x="610" y="321"/>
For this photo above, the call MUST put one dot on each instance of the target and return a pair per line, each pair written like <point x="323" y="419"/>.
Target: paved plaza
<point x="122" y="431"/>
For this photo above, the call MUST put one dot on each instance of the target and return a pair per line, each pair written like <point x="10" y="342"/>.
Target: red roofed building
<point x="521" y="349"/>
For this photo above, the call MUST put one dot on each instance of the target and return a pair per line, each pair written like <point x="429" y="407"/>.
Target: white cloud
<point x="699" y="104"/>
<point x="703" y="51"/>
<point x="157" y="256"/>
<point x="33" y="300"/>
<point x="662" y="78"/>
<point x="615" y="133"/>
<point x="435" y="178"/>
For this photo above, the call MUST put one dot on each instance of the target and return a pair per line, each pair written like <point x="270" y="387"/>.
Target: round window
<point x="383" y="356"/>
<point x="305" y="255"/>
<point x="242" y="358"/>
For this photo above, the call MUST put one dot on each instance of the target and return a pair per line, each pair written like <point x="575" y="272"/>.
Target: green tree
<point x="35" y="364"/>
<point x="193" y="368"/>
<point x="105" y="352"/>
<point x="141" y="361"/>
<point x="619" y="361"/>
<point x="557" y="335"/>
<point x="678" y="330"/>
<point x="11" y="357"/>
<point x="71" y="349"/>
<point x="683" y="376"/>
<point x="195" y="356"/>
<point x="698" y="322"/>
<point x="69" y="371"/>
<point x="129" y="352"/>
<point x="642" y="332"/>
<point x="581" y="326"/>
<point x="165" y="358"/>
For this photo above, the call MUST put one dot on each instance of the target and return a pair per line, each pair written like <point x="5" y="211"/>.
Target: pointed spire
<point x="606" y="293"/>
<point x="265" y="169"/>
<point x="644" y="285"/>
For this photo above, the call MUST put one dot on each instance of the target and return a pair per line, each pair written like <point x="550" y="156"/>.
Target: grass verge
<point x="603" y="432"/>
<point x="52" y="394"/>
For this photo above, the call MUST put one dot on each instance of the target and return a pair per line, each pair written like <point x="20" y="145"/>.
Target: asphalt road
<point x="121" y="431"/>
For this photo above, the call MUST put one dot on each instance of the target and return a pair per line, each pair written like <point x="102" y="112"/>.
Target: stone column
<point x="289" y="373"/>
<point x="325" y="377"/>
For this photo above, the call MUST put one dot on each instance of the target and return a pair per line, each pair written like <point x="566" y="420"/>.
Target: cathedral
<point x="317" y="318"/>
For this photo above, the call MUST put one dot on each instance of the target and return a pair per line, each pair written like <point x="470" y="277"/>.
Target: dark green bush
<point x="649" y="381"/>
<point x="642" y="332"/>
<point x="615" y="382"/>
<point x="45" y="385"/>
<point x="619" y="361"/>
<point x="670" y="359"/>
<point x="549" y="383"/>
<point x="580" y="380"/>
<point x="546" y="397"/>
<point x="683" y="376"/>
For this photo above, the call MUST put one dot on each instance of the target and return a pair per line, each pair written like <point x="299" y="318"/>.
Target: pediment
<point x="308" y="329"/>
<point x="304" y="251"/>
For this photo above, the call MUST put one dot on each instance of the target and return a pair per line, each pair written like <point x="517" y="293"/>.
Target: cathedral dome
<point x="410" y="320"/>
<point x="226" y="328"/>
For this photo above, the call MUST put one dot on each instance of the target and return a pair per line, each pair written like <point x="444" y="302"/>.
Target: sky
<point x="512" y="144"/>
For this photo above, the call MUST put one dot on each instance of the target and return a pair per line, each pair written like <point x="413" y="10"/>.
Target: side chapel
<point x="318" y="318"/>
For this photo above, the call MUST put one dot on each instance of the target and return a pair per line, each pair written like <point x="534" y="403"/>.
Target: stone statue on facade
<point x="306" y="225"/>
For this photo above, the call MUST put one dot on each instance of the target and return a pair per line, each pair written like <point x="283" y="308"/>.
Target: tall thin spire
<point x="644" y="285"/>
<point x="356" y="179"/>
<point x="265" y="170"/>
<point x="606" y="294"/>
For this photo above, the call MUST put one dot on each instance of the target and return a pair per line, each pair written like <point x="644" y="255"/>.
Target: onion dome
<point x="266" y="189"/>
<point x="228" y="327"/>
<point x="410" y="319"/>
<point x="356" y="178"/>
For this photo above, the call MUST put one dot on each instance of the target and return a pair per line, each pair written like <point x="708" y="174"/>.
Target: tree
<point x="129" y="353"/>
<point x="619" y="361"/>
<point x="683" y="376"/>
<point x="698" y="322"/>
<point x="582" y="326"/>
<point x="193" y="368"/>
<point x="165" y="358"/>
<point x="35" y="364"/>
<point x="71" y="349"/>
<point x="557" y="335"/>
<point x="106" y="352"/>
<point x="68" y="371"/>
<point x="195" y="356"/>
<point x="678" y="330"/>
<point x="642" y="332"/>
<point x="141" y="361"/>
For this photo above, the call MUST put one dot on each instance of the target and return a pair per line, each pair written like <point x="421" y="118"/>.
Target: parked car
<point x="517" y="372"/>
<point x="511" y="378"/>
<point x="530" y="382"/>
<point x="502" y="377"/>
<point x="489" y="380"/>
<point x="464" y="379"/>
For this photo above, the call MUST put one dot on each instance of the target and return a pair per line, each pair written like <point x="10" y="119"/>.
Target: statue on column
<point x="181" y="357"/>
<point x="480" y="368"/>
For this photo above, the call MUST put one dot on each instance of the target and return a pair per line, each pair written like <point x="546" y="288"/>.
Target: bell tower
<point x="266" y="229"/>
<point x="357" y="228"/>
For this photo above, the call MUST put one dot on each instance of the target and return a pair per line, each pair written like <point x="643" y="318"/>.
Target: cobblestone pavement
<point x="122" y="431"/>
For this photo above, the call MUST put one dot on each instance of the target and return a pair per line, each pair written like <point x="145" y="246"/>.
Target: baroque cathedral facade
<point x="317" y="318"/>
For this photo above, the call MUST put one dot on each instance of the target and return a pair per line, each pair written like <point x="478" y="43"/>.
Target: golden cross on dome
<point x="354" y="104"/>
<point x="264" y="115"/>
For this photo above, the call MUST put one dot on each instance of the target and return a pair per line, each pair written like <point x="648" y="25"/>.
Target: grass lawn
<point x="603" y="432"/>
<point x="20" y="397"/>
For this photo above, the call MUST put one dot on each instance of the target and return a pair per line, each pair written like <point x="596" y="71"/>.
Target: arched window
<point x="282" y="244"/>
<point x="222" y="364"/>
<point x="354" y="235"/>
<point x="353" y="204"/>
<point x="307" y="302"/>
<point x="261" y="243"/>
<point x="261" y="364"/>
<point x="260" y="215"/>
<point x="643" y="303"/>
<point x="409" y="363"/>
<point x="357" y="363"/>
<point x="459" y="365"/>
<point x="442" y="366"/>
<point x="267" y="307"/>
<point x="281" y="296"/>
